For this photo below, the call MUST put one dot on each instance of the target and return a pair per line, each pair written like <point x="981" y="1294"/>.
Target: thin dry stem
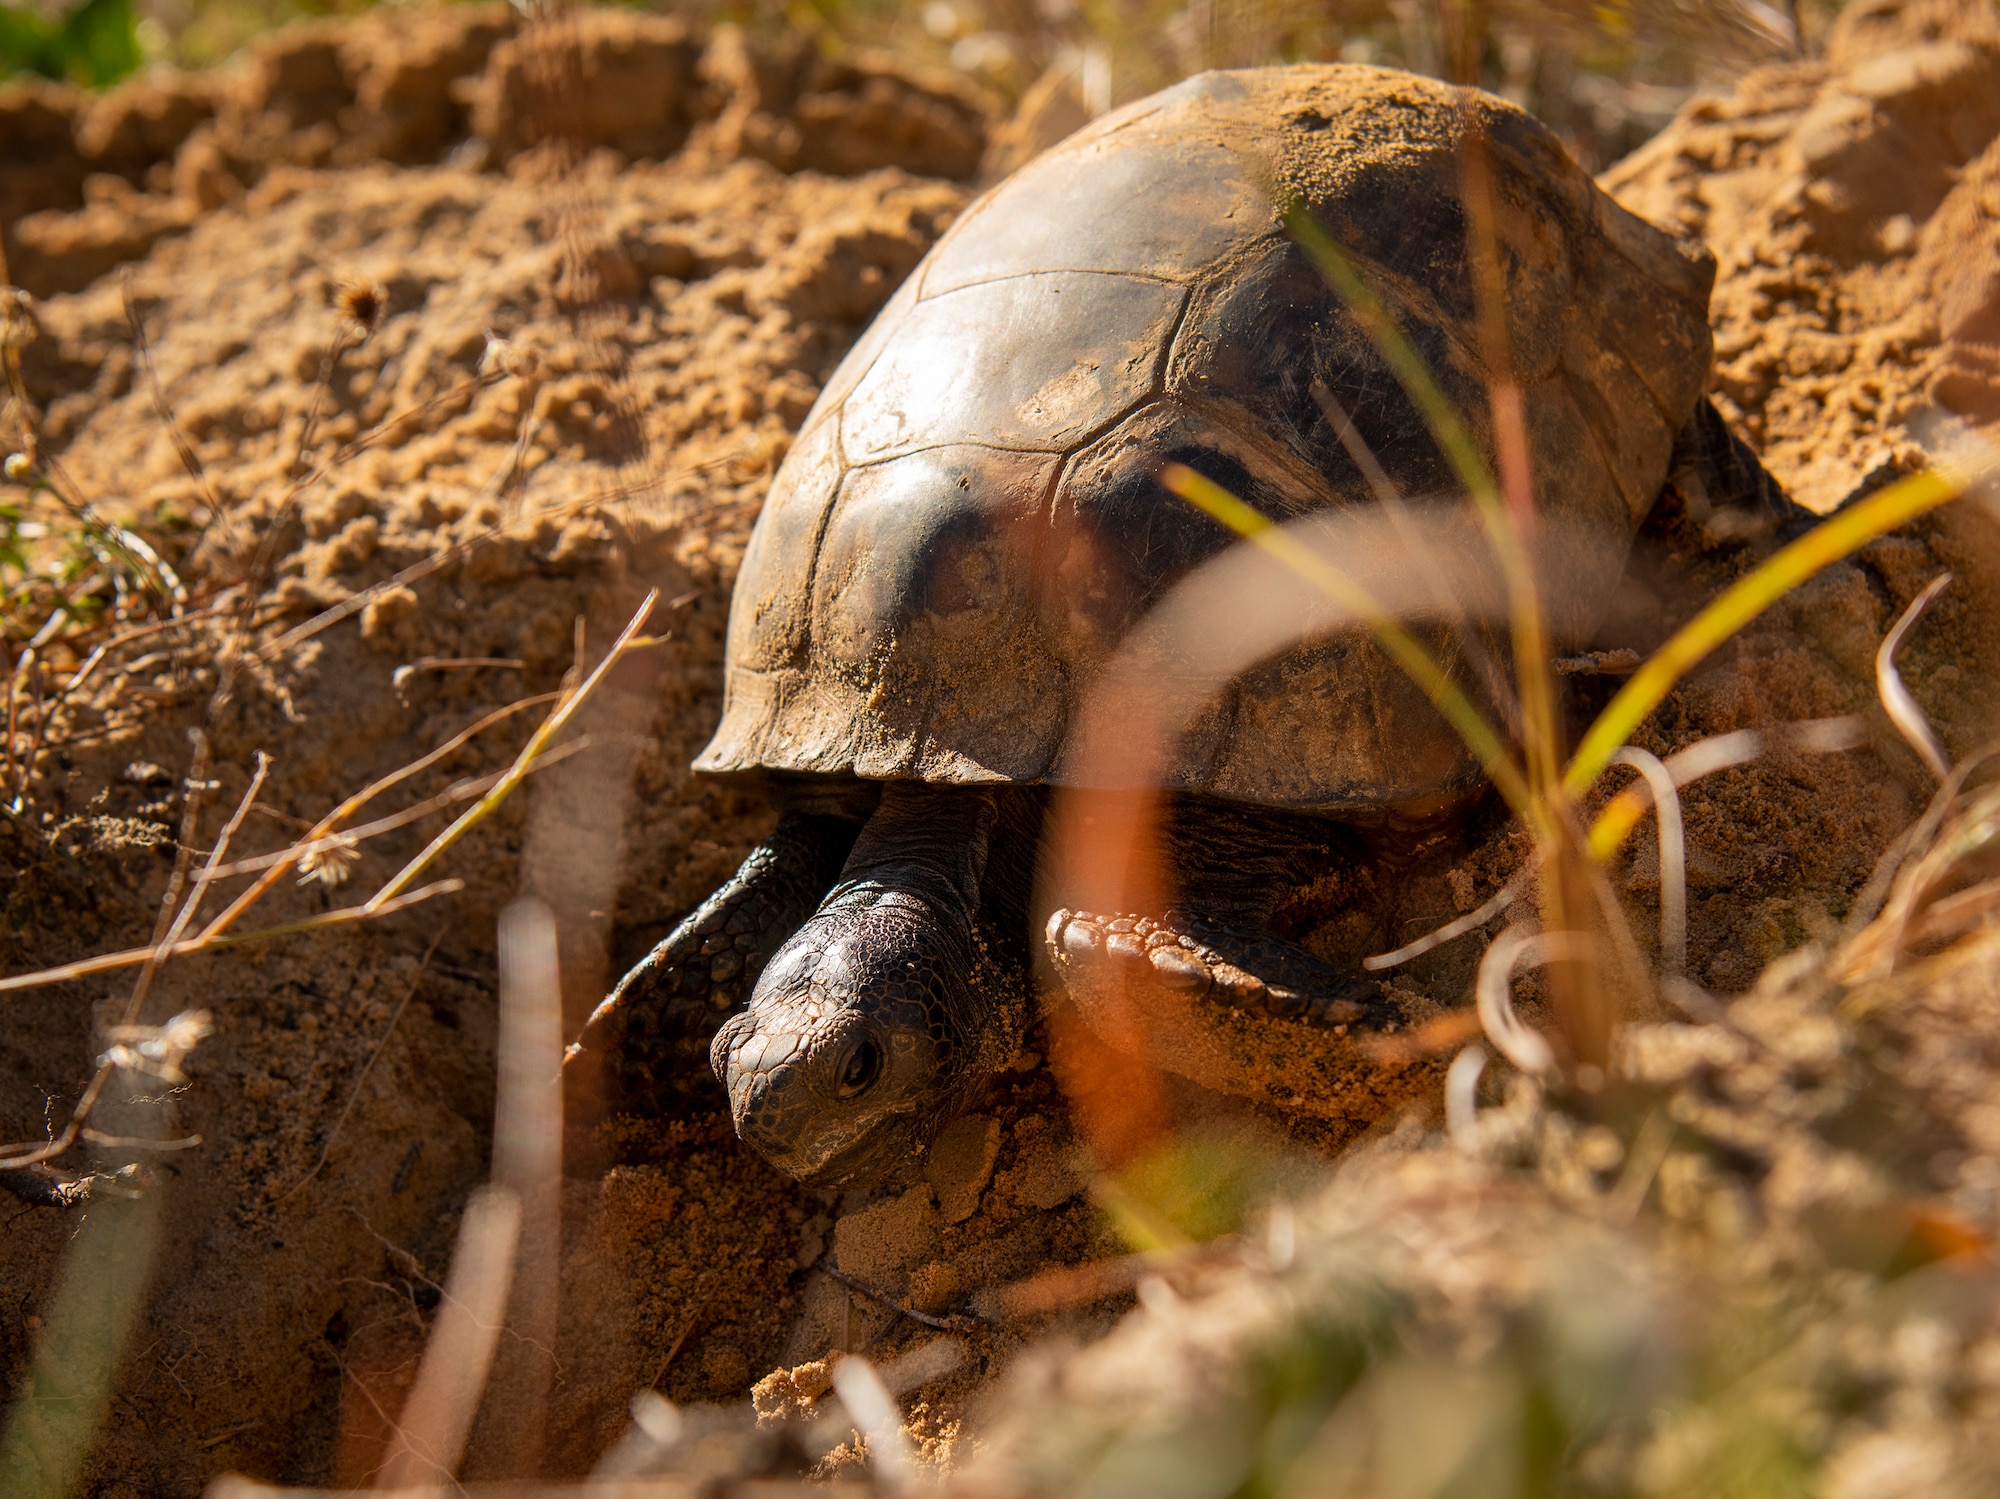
<point x="1970" y="827"/>
<point x="360" y="799"/>
<point x="1470" y="921"/>
<point x="459" y="791"/>
<point x="1518" y="947"/>
<point x="1902" y="709"/>
<point x="1510" y="440"/>
<point x="1461" y="1095"/>
<point x="873" y="1410"/>
<point x="532" y="751"/>
<point x="194" y="791"/>
<point x="196" y="786"/>
<point x="133" y="957"/>
<point x="215" y="933"/>
<point x="208" y="873"/>
<point x="1673" y="854"/>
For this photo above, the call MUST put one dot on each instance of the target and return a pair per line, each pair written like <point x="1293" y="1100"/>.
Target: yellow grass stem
<point x="1615" y="823"/>
<point x="564" y="711"/>
<point x="327" y="824"/>
<point x="1828" y="542"/>
<point x="1403" y="648"/>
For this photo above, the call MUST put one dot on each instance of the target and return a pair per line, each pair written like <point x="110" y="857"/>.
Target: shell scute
<point x="769" y="623"/>
<point x="1607" y="392"/>
<point x="924" y="619"/>
<point x="971" y="523"/>
<point x="1273" y="340"/>
<point x="1051" y="216"/>
<point x="1114" y="548"/>
<point x="976" y="365"/>
<point x="1355" y="732"/>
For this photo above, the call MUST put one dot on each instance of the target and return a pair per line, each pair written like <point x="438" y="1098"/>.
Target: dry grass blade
<point x="437" y="1417"/>
<point x="1957" y="914"/>
<point x="134" y="956"/>
<point x="1514" y="949"/>
<point x="566" y="709"/>
<point x="90" y="664"/>
<point x="1443" y="419"/>
<point x="1472" y="920"/>
<point x="1461" y="1096"/>
<point x="118" y="545"/>
<point x="1390" y="498"/>
<point x="1402" y="647"/>
<point x="1673" y="854"/>
<point x="216" y="934"/>
<point x="527" y="1161"/>
<point x="1918" y="836"/>
<point x="234" y="1486"/>
<point x="216" y="856"/>
<point x="1812" y="736"/>
<point x="1902" y="709"/>
<point x="1969" y="828"/>
<point x="1642" y="1165"/>
<point x="360" y="799"/>
<point x="1506" y="517"/>
<point x="45" y="714"/>
<point x="401" y="678"/>
<point x="527" y="1128"/>
<point x="172" y="919"/>
<point x="305" y="854"/>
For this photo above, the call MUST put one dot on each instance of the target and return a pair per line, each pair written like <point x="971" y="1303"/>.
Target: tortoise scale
<point x="970" y="521"/>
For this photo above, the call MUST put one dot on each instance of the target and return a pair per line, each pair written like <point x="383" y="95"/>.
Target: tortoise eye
<point x="864" y="1065"/>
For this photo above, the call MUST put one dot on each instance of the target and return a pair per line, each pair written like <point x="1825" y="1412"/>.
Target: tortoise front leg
<point x="653" y="1032"/>
<point x="1184" y="956"/>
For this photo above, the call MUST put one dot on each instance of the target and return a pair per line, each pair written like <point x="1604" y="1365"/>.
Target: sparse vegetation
<point x="1737" y="1242"/>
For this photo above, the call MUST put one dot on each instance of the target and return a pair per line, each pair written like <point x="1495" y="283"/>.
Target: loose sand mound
<point x="667" y="297"/>
<point x="1855" y="205"/>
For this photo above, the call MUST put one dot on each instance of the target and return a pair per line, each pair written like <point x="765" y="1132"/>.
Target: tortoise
<point x="971" y="519"/>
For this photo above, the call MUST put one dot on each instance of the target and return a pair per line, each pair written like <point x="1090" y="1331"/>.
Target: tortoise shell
<point x="970" y="518"/>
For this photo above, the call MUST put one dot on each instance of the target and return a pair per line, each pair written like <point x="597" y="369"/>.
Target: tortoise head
<point x="857" y="1044"/>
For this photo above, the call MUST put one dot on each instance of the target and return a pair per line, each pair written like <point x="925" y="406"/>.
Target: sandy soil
<point x="669" y="280"/>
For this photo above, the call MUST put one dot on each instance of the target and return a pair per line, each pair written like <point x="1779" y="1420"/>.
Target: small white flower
<point x="330" y="861"/>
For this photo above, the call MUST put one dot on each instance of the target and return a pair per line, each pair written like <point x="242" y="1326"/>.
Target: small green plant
<point x="95" y="44"/>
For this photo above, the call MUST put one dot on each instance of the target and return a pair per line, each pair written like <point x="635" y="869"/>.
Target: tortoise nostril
<point x="864" y="1065"/>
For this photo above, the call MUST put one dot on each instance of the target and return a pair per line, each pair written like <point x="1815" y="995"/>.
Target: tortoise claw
<point x="651" y="1034"/>
<point x="1195" y="959"/>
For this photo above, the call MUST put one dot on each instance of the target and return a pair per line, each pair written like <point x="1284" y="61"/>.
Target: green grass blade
<point x="1404" y="361"/>
<point x="1449" y="431"/>
<point x="1828" y="542"/>
<point x="1403" y="648"/>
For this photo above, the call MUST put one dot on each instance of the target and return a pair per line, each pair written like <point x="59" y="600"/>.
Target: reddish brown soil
<point x="671" y="299"/>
